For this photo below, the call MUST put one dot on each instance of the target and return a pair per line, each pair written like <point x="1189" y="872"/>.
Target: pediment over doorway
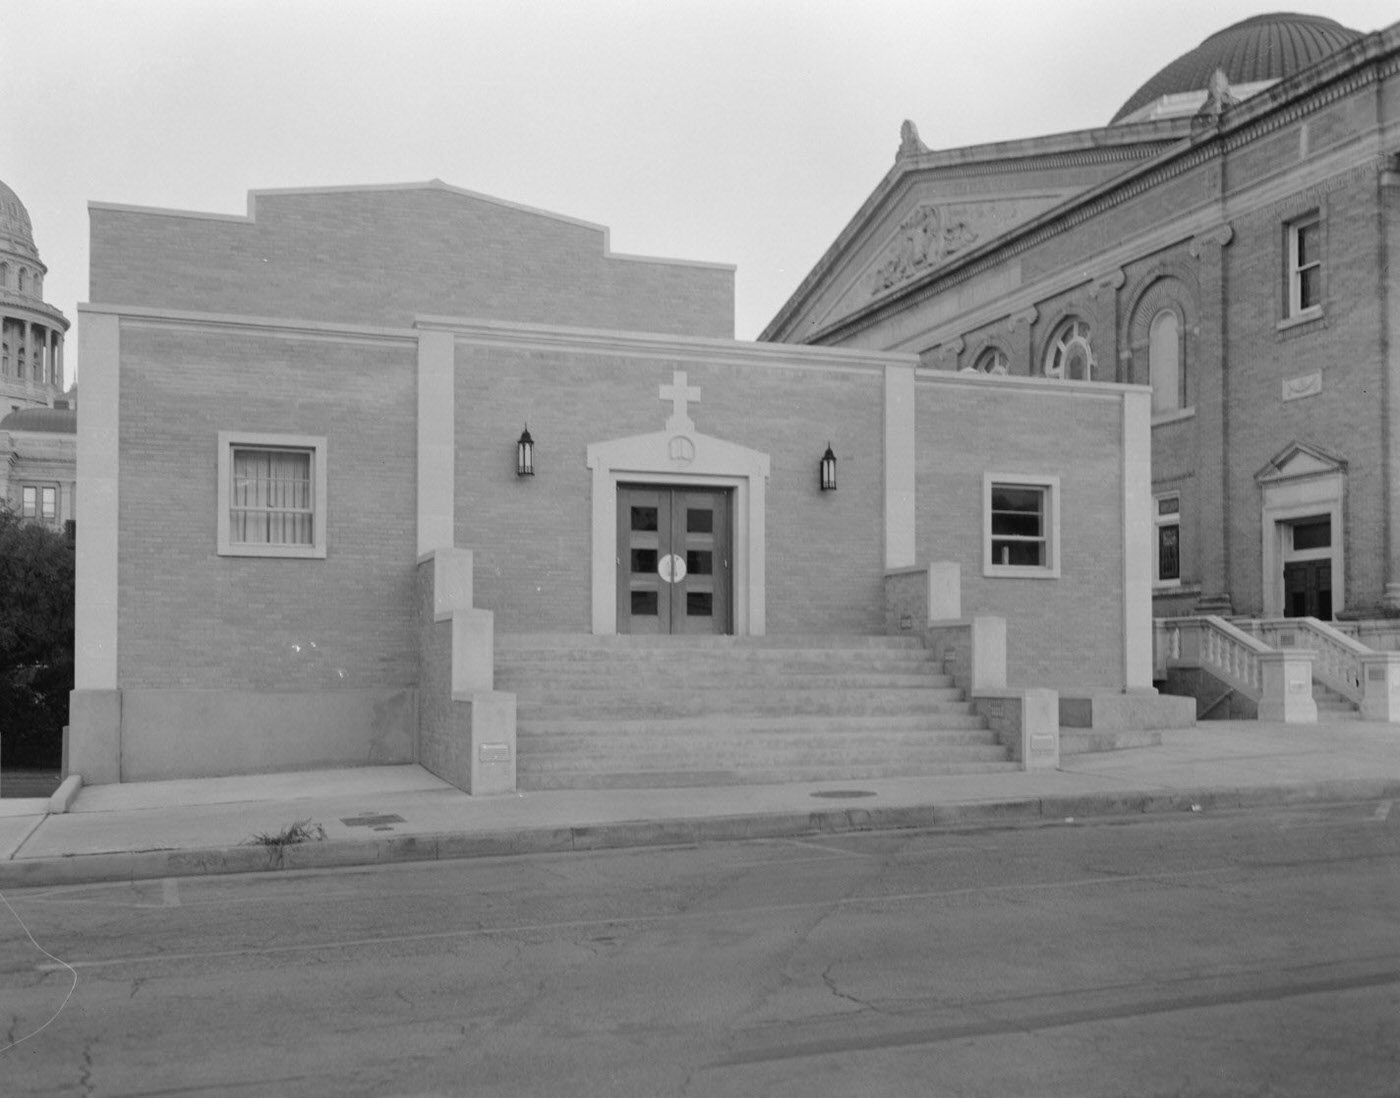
<point x="1297" y="460"/>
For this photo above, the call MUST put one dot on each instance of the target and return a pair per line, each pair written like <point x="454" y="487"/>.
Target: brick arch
<point x="989" y="343"/>
<point x="1161" y="289"/>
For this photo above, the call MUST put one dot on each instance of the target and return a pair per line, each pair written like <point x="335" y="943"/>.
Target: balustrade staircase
<point x="649" y="712"/>
<point x="1233" y="654"/>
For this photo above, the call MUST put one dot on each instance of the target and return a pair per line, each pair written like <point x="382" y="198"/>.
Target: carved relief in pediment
<point x="933" y="234"/>
<point x="925" y="239"/>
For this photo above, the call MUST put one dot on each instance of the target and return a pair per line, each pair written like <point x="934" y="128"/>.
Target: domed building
<point x="38" y="422"/>
<point x="1229" y="239"/>
<point x="31" y="331"/>
<point x="1253" y="54"/>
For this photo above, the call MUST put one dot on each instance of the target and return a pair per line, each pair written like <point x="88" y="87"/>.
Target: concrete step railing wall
<point x="1370" y="680"/>
<point x="1277" y="683"/>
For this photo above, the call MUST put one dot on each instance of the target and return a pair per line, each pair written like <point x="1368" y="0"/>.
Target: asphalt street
<point x="1246" y="954"/>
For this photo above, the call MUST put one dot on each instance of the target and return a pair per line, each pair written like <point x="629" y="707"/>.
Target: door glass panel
<point x="643" y="518"/>
<point x="644" y="560"/>
<point x="644" y="603"/>
<point x="699" y="522"/>
<point x="1315" y="534"/>
<point x="699" y="562"/>
<point x="699" y="604"/>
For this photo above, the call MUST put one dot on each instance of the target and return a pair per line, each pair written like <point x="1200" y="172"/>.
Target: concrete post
<point x="1287" y="682"/>
<point x="1380" y="684"/>
<point x="944" y="591"/>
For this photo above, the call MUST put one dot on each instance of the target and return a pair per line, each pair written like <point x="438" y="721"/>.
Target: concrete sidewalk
<point x="383" y="814"/>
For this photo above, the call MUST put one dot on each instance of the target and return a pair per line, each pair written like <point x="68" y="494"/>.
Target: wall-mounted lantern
<point x="828" y="470"/>
<point x="525" y="454"/>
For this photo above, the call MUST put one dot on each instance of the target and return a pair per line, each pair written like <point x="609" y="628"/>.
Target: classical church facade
<point x="1229" y="239"/>
<point x="345" y="457"/>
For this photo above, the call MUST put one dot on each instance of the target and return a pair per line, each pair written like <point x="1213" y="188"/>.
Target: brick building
<point x="1229" y="239"/>
<point x="365" y="464"/>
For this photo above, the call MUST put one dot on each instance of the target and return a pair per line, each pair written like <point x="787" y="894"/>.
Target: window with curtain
<point x="271" y="497"/>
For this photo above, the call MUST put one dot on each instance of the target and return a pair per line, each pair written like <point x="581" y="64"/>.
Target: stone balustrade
<point x="1278" y="682"/>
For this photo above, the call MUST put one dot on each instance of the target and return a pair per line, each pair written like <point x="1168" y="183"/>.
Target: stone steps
<point x="618" y="712"/>
<point x="689" y="702"/>
<point x="1332" y="706"/>
<point x="675" y="779"/>
<point x="607" y="678"/>
<point x="593" y="739"/>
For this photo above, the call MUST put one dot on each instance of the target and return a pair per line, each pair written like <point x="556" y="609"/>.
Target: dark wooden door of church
<point x="673" y="560"/>
<point x="1307" y="589"/>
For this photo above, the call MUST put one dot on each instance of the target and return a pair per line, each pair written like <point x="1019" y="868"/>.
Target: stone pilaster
<point x="1212" y="422"/>
<point x="1388" y="252"/>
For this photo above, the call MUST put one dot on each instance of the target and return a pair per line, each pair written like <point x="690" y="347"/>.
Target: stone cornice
<point x="254" y="325"/>
<point x="15" y="305"/>
<point x="1050" y="385"/>
<point x="800" y="356"/>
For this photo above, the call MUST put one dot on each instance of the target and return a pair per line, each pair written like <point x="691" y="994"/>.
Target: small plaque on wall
<point x="494" y="753"/>
<point x="1296" y="388"/>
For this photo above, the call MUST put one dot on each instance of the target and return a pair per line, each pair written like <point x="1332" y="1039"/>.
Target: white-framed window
<point x="1304" y="266"/>
<point x="272" y="495"/>
<point x="1069" y="355"/>
<point x="993" y="360"/>
<point x="1166" y="545"/>
<point x="48" y="503"/>
<point x="29" y="501"/>
<point x="1164" y="370"/>
<point x="1021" y="525"/>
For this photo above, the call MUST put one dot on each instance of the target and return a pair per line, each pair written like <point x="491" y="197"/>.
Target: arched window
<point x="4" y="276"/>
<point x="1164" y="362"/>
<point x="21" y="280"/>
<point x="1069" y="355"/>
<point x="993" y="360"/>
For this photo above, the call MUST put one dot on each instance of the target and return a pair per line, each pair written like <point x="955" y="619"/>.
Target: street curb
<point x="445" y="846"/>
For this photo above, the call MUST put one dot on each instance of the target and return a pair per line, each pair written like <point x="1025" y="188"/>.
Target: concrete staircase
<point x="649" y="712"/>
<point x="1332" y="706"/>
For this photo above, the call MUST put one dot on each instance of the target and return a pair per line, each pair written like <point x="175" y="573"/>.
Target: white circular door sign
<point x="671" y="568"/>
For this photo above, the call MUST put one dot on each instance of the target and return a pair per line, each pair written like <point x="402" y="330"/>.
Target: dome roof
<point x="1261" y="48"/>
<point x="16" y="232"/>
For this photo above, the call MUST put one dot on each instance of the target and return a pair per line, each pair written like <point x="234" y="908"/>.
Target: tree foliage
<point x="36" y="641"/>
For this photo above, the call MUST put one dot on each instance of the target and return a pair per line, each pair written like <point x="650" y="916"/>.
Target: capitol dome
<point x="31" y="330"/>
<point x="1256" y="52"/>
<point x="16" y="232"/>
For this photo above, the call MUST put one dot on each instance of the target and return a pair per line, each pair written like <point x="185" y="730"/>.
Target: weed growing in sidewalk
<point x="303" y="831"/>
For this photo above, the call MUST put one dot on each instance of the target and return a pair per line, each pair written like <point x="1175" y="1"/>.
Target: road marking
<point x="170" y="892"/>
<point x="968" y="1031"/>
<point x="832" y="849"/>
<point x="658" y="917"/>
<point x="1382" y="811"/>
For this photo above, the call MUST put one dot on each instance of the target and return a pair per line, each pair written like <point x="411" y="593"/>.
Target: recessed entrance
<point x="674" y="560"/>
<point x="1307" y="568"/>
<point x="1307" y="589"/>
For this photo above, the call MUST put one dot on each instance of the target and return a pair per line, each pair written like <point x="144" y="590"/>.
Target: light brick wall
<point x="1345" y="346"/>
<point x="824" y="550"/>
<point x="380" y="257"/>
<point x="1330" y="157"/>
<point x="190" y="618"/>
<point x="1066" y="631"/>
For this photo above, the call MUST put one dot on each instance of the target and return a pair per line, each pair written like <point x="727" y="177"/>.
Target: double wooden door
<point x="673" y="560"/>
<point x="1307" y="589"/>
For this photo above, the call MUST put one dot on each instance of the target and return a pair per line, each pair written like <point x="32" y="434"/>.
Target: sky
<point x="745" y="132"/>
